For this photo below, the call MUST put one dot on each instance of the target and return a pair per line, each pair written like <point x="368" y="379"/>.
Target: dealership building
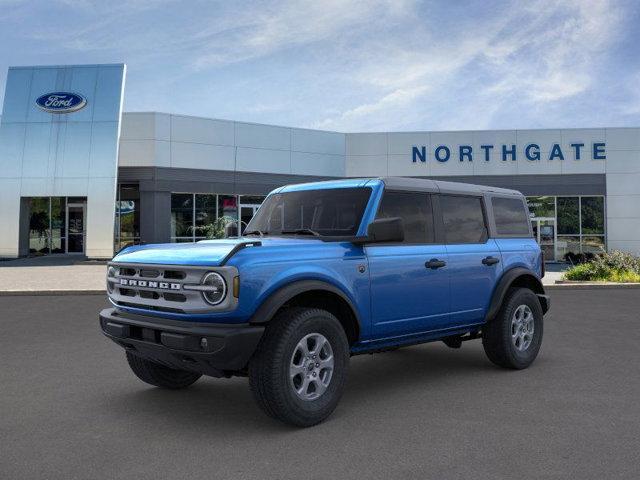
<point x="80" y="176"/>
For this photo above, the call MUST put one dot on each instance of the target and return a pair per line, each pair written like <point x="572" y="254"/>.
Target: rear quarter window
<point x="511" y="216"/>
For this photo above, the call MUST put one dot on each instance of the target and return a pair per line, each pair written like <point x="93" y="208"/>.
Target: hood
<point x="203" y="253"/>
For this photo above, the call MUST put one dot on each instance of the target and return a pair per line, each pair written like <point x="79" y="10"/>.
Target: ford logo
<point x="61" y="102"/>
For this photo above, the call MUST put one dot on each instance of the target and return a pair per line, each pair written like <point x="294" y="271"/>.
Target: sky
<point x="350" y="65"/>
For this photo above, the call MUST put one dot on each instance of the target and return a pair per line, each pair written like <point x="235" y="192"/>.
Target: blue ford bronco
<point x="325" y="271"/>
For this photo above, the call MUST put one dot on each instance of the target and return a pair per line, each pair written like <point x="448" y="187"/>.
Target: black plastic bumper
<point x="545" y="302"/>
<point x="211" y="349"/>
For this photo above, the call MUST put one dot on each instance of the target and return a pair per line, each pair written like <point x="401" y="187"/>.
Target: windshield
<point x="323" y="212"/>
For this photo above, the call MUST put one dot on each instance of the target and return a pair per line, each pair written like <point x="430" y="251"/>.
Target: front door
<point x="75" y="227"/>
<point x="409" y="280"/>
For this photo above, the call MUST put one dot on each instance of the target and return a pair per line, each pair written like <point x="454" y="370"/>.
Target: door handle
<point x="434" y="264"/>
<point x="488" y="261"/>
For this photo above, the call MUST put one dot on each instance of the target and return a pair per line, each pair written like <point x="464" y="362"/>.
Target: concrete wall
<point x="72" y="154"/>
<point x="163" y="140"/>
<point x="623" y="189"/>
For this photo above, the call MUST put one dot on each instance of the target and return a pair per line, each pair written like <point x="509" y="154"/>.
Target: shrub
<point x="614" y="266"/>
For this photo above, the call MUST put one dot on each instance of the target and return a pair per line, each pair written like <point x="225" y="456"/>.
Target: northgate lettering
<point x="531" y="152"/>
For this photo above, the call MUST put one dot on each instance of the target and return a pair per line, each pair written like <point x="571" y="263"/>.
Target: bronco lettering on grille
<point x="145" y="283"/>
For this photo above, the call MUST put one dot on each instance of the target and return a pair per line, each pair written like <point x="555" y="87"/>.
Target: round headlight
<point x="216" y="288"/>
<point x="111" y="272"/>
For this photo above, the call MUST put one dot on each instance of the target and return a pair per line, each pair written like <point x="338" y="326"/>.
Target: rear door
<point x="474" y="259"/>
<point x="407" y="295"/>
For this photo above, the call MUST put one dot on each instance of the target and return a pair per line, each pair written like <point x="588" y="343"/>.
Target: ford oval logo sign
<point x="61" y="102"/>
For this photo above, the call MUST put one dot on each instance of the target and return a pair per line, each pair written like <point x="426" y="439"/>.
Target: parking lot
<point x="70" y="407"/>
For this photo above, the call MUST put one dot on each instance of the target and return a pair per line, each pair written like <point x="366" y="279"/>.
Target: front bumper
<point x="211" y="349"/>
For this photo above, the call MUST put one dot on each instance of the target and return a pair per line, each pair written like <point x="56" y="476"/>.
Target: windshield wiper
<point x="302" y="231"/>
<point x="256" y="232"/>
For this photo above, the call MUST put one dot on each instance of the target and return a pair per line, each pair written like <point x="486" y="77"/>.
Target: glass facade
<point x="57" y="225"/>
<point x="566" y="226"/>
<point x="127" y="219"/>
<point x="193" y="215"/>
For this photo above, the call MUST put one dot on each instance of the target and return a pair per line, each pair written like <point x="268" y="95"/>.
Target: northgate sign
<point x="531" y="152"/>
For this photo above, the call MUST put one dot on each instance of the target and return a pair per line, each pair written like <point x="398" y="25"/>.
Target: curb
<point x="591" y="286"/>
<point x="22" y="293"/>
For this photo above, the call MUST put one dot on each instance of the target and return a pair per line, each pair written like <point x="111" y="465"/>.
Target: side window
<point x="415" y="211"/>
<point x="463" y="219"/>
<point x="511" y="216"/>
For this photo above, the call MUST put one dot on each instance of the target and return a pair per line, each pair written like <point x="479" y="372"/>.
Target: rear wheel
<point x="513" y="338"/>
<point x="299" y="370"/>
<point x="159" y="375"/>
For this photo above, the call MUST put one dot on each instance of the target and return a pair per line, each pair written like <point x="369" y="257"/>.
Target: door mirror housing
<point x="383" y="230"/>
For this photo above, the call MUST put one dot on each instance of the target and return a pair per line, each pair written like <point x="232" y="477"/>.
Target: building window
<point x="568" y="215"/>
<point x="192" y="213"/>
<point x="127" y="219"/>
<point x="579" y="222"/>
<point x="182" y="217"/>
<point x="56" y="225"/>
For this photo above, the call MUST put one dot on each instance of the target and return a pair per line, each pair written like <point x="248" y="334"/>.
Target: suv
<point x="328" y="270"/>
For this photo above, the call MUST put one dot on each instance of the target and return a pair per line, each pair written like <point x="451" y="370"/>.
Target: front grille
<point x="161" y="288"/>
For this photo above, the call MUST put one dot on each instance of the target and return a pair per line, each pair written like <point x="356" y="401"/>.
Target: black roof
<point x="439" y="186"/>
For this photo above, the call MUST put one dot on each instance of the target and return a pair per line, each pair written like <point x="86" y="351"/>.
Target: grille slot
<point x="149" y="273"/>
<point x="149" y="294"/>
<point x="174" y="275"/>
<point x="127" y="272"/>
<point x="151" y="307"/>
<point x="174" y="297"/>
<point x="127" y="292"/>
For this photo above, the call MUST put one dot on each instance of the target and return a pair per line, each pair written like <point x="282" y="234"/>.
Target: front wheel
<point x="513" y="338"/>
<point x="159" y="375"/>
<point x="299" y="370"/>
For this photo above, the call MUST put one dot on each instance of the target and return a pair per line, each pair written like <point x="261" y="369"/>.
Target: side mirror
<point x="384" y="230"/>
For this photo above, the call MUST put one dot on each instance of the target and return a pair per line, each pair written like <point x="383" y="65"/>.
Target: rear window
<point x="463" y="219"/>
<point x="511" y="216"/>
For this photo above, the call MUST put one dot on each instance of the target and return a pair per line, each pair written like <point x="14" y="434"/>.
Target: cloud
<point x="534" y="55"/>
<point x="350" y="65"/>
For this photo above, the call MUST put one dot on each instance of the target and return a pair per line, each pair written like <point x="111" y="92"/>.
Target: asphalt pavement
<point x="71" y="409"/>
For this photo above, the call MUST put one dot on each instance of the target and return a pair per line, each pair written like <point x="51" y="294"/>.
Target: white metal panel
<point x="623" y="139"/>
<point x="366" y="166"/>
<point x="317" y="164"/>
<point x="138" y="153"/>
<point x="366" y="144"/>
<point x="263" y="136"/>
<point x="623" y="161"/>
<point x="197" y="155"/>
<point x="201" y="130"/>
<point x="401" y="143"/>
<point x="315" y="141"/>
<point x="138" y="126"/>
<point x="263" y="160"/>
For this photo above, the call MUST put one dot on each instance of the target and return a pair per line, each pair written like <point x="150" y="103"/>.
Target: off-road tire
<point x="159" y="375"/>
<point x="269" y="376"/>
<point x="497" y="334"/>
